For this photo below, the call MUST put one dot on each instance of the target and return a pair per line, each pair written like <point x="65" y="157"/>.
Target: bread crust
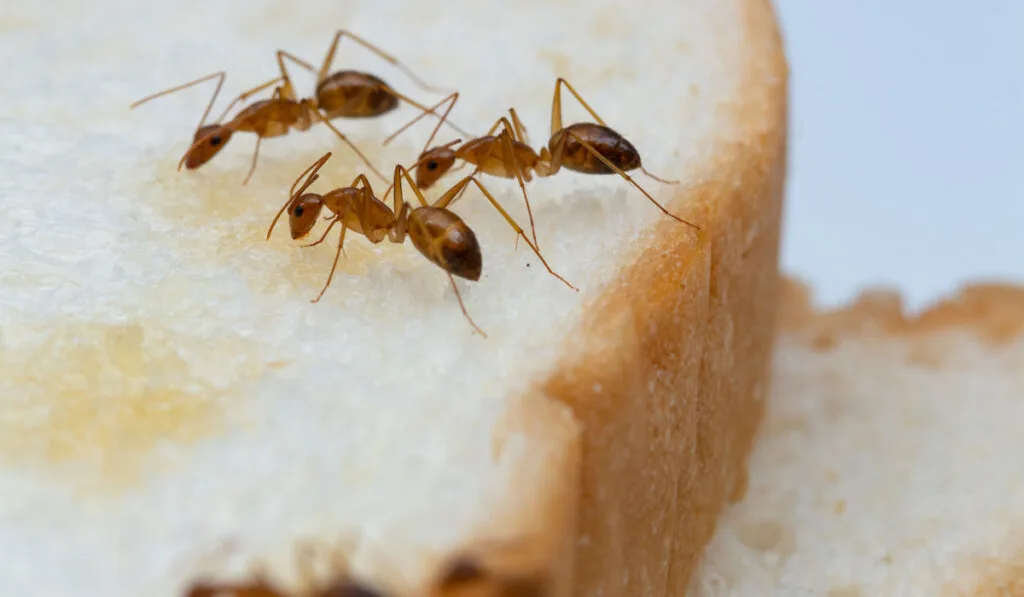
<point x="994" y="313"/>
<point x="666" y="375"/>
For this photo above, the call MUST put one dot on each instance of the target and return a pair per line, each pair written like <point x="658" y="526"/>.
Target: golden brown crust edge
<point x="993" y="313"/>
<point x="666" y="377"/>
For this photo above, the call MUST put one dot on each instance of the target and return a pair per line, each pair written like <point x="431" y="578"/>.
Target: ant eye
<point x="215" y="140"/>
<point x="299" y="210"/>
<point x="431" y="165"/>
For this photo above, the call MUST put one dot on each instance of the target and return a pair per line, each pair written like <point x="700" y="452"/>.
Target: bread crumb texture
<point x="889" y="455"/>
<point x="175" y="408"/>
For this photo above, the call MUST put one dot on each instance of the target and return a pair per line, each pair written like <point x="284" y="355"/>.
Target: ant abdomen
<point x="354" y="94"/>
<point x="446" y="240"/>
<point x="609" y="143"/>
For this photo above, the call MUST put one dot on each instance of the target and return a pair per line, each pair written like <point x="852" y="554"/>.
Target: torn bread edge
<point x="993" y="312"/>
<point x="644" y="426"/>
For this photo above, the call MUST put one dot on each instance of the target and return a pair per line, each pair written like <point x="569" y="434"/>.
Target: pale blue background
<point x="907" y="155"/>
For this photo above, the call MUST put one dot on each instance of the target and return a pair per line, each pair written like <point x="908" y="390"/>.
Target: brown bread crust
<point x="667" y="376"/>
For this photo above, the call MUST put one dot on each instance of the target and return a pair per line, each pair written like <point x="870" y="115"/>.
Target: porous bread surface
<point x="670" y="384"/>
<point x="168" y="388"/>
<point x="889" y="458"/>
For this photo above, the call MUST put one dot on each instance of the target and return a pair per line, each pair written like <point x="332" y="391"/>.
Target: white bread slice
<point x="169" y="388"/>
<point x="889" y="462"/>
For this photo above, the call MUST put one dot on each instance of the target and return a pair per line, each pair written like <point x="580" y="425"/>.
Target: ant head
<point x="302" y="214"/>
<point x="433" y="164"/>
<point x="208" y="141"/>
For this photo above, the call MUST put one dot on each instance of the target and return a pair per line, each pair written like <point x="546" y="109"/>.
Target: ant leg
<point x="463" y="306"/>
<point x="259" y="140"/>
<point x="506" y="137"/>
<point x="334" y="220"/>
<point x="341" y="249"/>
<point x="510" y="151"/>
<point x="400" y="205"/>
<point x="289" y="92"/>
<point x="497" y="124"/>
<point x="400" y="172"/>
<point x="292" y="195"/>
<point x="282" y="54"/>
<point x="661" y="180"/>
<point x="494" y="127"/>
<point x="556" y="106"/>
<point x="442" y="119"/>
<point x="362" y="180"/>
<point x="443" y="201"/>
<point x="255" y="156"/>
<point x="246" y="95"/>
<point x="209" y="106"/>
<point x="351" y="145"/>
<point x="618" y="171"/>
<point x="329" y="59"/>
<point x="458" y="196"/>
<point x="454" y="97"/>
<point x="520" y="127"/>
<point x="462" y="192"/>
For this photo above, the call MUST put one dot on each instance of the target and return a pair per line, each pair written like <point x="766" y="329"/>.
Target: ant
<point x="437" y="233"/>
<point x="583" y="147"/>
<point x="344" y="94"/>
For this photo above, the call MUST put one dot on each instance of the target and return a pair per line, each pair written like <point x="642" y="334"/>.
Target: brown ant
<point x="437" y="233"/>
<point x="344" y="94"/>
<point x="583" y="147"/>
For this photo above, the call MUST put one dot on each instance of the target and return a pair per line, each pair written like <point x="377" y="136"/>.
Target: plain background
<point x="907" y="144"/>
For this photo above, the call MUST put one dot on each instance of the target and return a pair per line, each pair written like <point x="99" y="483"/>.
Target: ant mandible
<point x="437" y="233"/>
<point x="584" y="147"/>
<point x="344" y="94"/>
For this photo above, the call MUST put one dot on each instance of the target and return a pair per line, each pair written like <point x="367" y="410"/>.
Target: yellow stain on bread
<point x="997" y="573"/>
<point x="218" y="220"/>
<point x="106" y="397"/>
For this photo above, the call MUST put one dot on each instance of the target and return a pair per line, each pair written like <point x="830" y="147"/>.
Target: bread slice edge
<point x="701" y="329"/>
